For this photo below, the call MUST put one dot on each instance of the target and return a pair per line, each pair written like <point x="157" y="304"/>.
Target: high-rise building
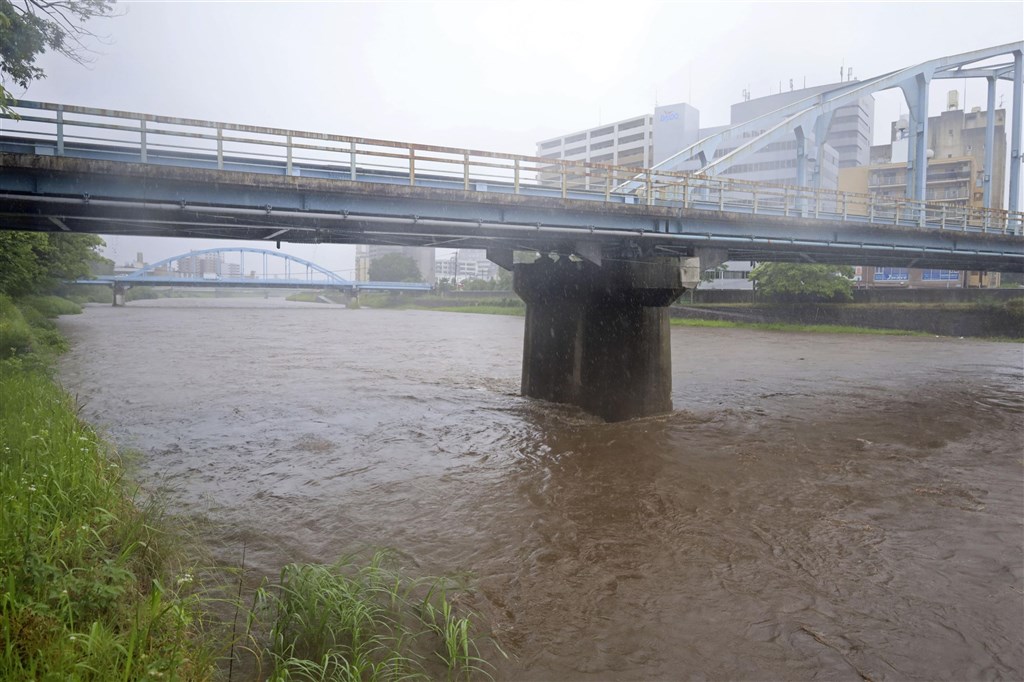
<point x="646" y="140"/>
<point x="466" y="264"/>
<point x="201" y="264"/>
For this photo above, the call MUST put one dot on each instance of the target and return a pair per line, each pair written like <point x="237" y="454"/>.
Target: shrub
<point x="15" y="333"/>
<point x="51" y="306"/>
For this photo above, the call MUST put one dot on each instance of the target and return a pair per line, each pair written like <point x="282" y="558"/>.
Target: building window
<point x="602" y="145"/>
<point x="602" y="131"/>
<point x="631" y="138"/>
<point x="550" y="144"/>
<point x="891" y="275"/>
<point x="631" y="124"/>
<point x="602" y="158"/>
<point x="575" y="138"/>
<point x="940" y="275"/>
<point x="575" y="150"/>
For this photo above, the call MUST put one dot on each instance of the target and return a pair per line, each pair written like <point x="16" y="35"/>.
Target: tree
<point x="21" y="261"/>
<point x="799" y="282"/>
<point x="504" y="280"/>
<point x="35" y="262"/>
<point x="394" y="267"/>
<point x="29" y="28"/>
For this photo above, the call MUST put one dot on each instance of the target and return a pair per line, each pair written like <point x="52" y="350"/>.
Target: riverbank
<point x="999" y="320"/>
<point x="802" y="481"/>
<point x="101" y="585"/>
<point x="994" y="321"/>
<point x="95" y="586"/>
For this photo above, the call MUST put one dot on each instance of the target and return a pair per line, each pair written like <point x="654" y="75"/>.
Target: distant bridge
<point x="313" y="276"/>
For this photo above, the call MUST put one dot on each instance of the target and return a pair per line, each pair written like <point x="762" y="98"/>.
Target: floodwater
<point x="818" y="506"/>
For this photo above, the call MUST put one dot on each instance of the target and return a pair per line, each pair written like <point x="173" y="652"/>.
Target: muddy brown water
<point x="818" y="506"/>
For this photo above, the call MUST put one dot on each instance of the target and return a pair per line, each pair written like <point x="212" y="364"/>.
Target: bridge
<point x="612" y="238"/>
<point x="184" y="270"/>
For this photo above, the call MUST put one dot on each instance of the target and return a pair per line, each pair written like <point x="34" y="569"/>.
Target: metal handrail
<point x="482" y="170"/>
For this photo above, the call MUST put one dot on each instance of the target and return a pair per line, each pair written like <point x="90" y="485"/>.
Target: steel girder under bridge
<point x="744" y="222"/>
<point x="88" y="170"/>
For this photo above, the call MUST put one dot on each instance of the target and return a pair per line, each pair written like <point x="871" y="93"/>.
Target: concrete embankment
<point x="996" y="319"/>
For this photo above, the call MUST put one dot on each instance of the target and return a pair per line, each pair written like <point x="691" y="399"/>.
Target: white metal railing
<point x="71" y="130"/>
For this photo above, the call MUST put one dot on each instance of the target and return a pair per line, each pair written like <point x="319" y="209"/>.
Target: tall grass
<point x="83" y="568"/>
<point x="87" y="575"/>
<point x="350" y="621"/>
<point x="15" y="333"/>
<point x="512" y="310"/>
<point x="94" y="587"/>
<point x="51" y="306"/>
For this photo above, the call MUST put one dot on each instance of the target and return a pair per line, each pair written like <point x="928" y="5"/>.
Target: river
<point x="818" y="506"/>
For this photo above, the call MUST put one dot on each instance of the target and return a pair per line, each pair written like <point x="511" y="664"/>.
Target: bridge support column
<point x="119" y="292"/>
<point x="598" y="336"/>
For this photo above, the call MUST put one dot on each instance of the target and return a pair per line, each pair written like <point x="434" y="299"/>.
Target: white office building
<point x="647" y="140"/>
<point x="465" y="264"/>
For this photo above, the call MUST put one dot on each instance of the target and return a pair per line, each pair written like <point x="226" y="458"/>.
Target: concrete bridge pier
<point x="119" y="292"/>
<point x="351" y="299"/>
<point x="598" y="336"/>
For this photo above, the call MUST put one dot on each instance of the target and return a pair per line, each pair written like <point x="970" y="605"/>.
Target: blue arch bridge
<point x="619" y="244"/>
<point x="190" y="270"/>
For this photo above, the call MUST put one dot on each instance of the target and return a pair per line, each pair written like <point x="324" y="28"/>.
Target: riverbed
<point x="817" y="506"/>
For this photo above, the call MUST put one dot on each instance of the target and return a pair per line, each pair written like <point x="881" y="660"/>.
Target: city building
<point x="207" y="264"/>
<point x="956" y="149"/>
<point x="647" y="140"/>
<point x="422" y="256"/>
<point x="465" y="264"/>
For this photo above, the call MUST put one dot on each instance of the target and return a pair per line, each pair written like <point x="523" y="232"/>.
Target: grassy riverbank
<point x="514" y="311"/>
<point x="718" y="324"/>
<point x="98" y="586"/>
<point x="786" y="327"/>
<point x="93" y="588"/>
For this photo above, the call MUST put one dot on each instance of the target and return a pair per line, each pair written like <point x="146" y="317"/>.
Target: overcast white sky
<point x="496" y="75"/>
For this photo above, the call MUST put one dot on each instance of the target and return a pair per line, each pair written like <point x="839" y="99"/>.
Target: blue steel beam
<point x="243" y="283"/>
<point x="807" y="110"/>
<point x="142" y="272"/>
<point x="1015" y="135"/>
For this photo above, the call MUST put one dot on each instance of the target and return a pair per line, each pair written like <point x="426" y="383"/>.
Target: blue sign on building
<point x="891" y="275"/>
<point x="940" y="276"/>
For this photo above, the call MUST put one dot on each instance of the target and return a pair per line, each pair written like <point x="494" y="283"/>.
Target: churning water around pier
<point x="818" y="506"/>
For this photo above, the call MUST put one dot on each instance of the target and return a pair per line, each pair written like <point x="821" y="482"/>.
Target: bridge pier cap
<point x="598" y="336"/>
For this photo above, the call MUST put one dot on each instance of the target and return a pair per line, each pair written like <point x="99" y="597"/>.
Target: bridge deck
<point x="143" y="174"/>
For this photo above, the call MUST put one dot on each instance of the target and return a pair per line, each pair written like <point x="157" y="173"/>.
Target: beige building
<point x="956" y="146"/>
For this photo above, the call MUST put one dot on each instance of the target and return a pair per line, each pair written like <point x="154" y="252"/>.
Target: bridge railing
<point x="72" y="130"/>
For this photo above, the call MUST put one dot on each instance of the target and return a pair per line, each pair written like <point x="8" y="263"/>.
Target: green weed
<point x="350" y="621"/>
<point x="516" y="311"/>
<point x="81" y="564"/>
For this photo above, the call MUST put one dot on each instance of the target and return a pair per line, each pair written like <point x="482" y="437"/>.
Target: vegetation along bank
<point x="99" y="584"/>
